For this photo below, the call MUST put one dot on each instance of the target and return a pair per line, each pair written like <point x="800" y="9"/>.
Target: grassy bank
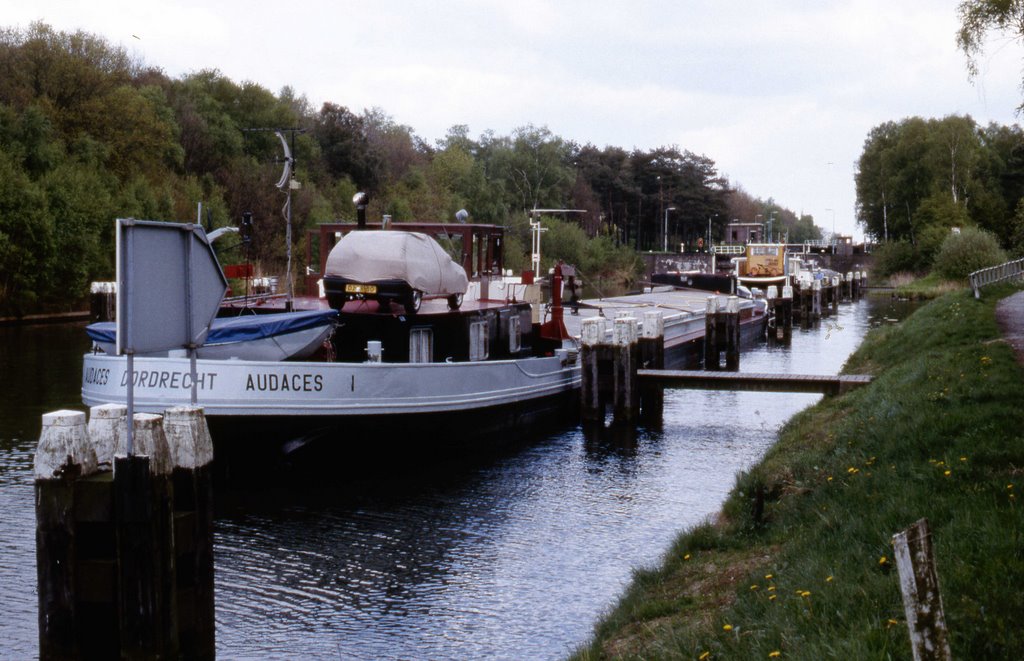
<point x="798" y="565"/>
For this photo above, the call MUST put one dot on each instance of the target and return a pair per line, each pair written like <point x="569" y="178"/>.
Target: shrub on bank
<point x="967" y="251"/>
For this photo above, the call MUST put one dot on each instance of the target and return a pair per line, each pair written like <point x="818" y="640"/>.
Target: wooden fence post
<point x="919" y="584"/>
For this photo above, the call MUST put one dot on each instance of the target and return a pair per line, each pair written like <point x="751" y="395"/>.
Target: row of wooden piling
<point x="819" y="297"/>
<point x="124" y="543"/>
<point x="609" y="368"/>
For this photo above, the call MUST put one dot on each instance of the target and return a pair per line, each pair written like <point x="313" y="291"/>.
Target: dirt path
<point x="1010" y="317"/>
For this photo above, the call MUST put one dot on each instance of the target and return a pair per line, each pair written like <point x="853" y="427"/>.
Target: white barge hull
<point x="274" y="389"/>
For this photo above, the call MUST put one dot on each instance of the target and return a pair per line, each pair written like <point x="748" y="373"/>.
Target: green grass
<point x="923" y="288"/>
<point x="938" y="434"/>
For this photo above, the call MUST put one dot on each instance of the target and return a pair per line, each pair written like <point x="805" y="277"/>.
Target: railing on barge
<point x="996" y="274"/>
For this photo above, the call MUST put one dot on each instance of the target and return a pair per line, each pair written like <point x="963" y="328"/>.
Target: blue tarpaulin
<point x="238" y="329"/>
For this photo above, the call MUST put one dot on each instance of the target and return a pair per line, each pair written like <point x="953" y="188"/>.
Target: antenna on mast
<point x="287" y="183"/>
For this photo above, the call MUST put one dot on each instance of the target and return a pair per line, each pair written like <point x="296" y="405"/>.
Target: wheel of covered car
<point x="455" y="301"/>
<point x="412" y="303"/>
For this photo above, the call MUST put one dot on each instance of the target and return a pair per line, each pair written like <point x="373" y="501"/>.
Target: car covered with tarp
<point x="392" y="266"/>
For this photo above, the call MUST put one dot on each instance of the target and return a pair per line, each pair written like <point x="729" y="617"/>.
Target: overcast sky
<point x="781" y="95"/>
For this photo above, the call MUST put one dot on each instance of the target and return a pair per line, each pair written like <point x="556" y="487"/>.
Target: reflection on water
<point x="506" y="556"/>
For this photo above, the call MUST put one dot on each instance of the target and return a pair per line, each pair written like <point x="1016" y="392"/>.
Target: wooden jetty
<point x="706" y="380"/>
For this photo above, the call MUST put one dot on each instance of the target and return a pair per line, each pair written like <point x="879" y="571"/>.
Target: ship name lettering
<point x="285" y="382"/>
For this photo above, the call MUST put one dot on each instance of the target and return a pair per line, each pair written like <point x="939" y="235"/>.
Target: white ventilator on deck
<point x="188" y="437"/>
<point x="625" y="331"/>
<point x="64" y="441"/>
<point x="374" y="351"/>
<point x="148" y="439"/>
<point x="104" y="421"/>
<point x="654" y="324"/>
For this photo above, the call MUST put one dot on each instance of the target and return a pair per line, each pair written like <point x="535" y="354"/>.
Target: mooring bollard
<point x="785" y="306"/>
<point x="835" y="296"/>
<point x="712" y="355"/>
<point x="104" y="422"/>
<point x="191" y="448"/>
<point x="626" y="392"/>
<point x="652" y="357"/>
<point x="731" y="321"/>
<point x="593" y="334"/>
<point x="816" y="300"/>
<point x="107" y="542"/>
<point x="63" y="455"/>
<point x="855" y="286"/>
<point x="147" y="611"/>
<point x="848" y="286"/>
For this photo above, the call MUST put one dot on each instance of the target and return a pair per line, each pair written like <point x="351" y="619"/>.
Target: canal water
<point x="506" y="556"/>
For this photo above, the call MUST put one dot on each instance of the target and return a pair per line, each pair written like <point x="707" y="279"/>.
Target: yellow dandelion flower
<point x="805" y="593"/>
<point x="769" y="577"/>
<point x="947" y="473"/>
<point x="726" y="627"/>
<point x="774" y="654"/>
<point x="686" y="557"/>
<point x="963" y="458"/>
<point x="891" y="622"/>
<point x="753" y="587"/>
<point x="771" y="597"/>
<point x="829" y="478"/>
<point x="771" y="588"/>
<point x="703" y="656"/>
<point x="883" y="560"/>
<point x="828" y="580"/>
<point x="1009" y="486"/>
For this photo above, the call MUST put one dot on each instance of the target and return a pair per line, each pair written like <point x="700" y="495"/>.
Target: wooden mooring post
<point x="124" y="568"/>
<point x="103" y="301"/>
<point x="855" y="287"/>
<point x="722" y="334"/>
<point x="780" y="321"/>
<point x="609" y="368"/>
<point x="652" y="357"/>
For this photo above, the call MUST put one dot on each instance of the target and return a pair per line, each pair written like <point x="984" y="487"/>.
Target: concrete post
<point x="652" y="356"/>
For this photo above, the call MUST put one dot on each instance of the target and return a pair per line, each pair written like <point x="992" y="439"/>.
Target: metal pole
<point x="190" y="329"/>
<point x="129" y="340"/>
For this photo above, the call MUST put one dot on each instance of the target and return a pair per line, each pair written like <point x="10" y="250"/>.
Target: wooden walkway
<point x="709" y="380"/>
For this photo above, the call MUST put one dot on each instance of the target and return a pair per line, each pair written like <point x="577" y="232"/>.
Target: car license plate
<point x="360" y="289"/>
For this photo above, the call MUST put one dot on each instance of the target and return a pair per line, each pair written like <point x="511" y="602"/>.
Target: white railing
<point x="994" y="274"/>
<point x="728" y="249"/>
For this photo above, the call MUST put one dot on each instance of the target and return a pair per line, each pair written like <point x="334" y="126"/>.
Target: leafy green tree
<point x="979" y="18"/>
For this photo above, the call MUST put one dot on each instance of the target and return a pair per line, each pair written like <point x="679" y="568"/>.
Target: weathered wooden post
<point x="712" y="357"/>
<point x="652" y="357"/>
<point x="104" y="422"/>
<point x="191" y="449"/>
<point x="626" y="391"/>
<point x="147" y="610"/>
<point x="835" y="295"/>
<point x="731" y="322"/>
<point x="863" y="281"/>
<point x="103" y="301"/>
<point x="786" y="308"/>
<point x="593" y="334"/>
<point x="816" y="300"/>
<point x="848" y="286"/>
<point x="919" y="584"/>
<point x="855" y="286"/>
<point x="63" y="455"/>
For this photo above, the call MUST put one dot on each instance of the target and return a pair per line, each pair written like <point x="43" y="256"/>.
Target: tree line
<point x="919" y="178"/>
<point x="89" y="134"/>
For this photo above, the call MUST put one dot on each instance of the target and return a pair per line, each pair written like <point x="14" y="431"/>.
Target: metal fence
<point x="994" y="274"/>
